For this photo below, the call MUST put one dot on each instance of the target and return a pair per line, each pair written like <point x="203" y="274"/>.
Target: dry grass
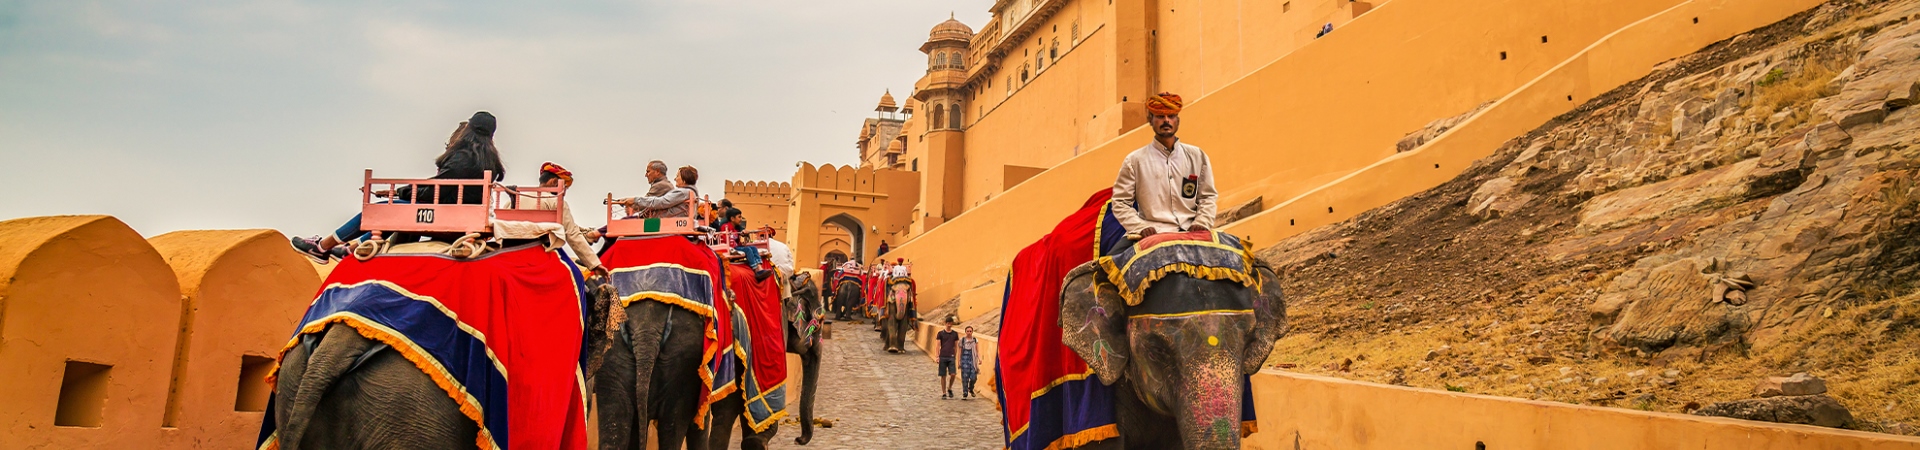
<point x="1796" y="89"/>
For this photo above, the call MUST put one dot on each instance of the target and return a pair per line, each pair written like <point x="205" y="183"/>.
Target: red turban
<point x="1165" y="104"/>
<point x="558" y="172"/>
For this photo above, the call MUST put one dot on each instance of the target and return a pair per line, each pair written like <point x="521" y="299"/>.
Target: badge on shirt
<point x="1190" y="186"/>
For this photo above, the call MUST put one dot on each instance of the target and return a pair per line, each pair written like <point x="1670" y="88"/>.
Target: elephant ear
<point x="1093" y="322"/>
<point x="1270" y="319"/>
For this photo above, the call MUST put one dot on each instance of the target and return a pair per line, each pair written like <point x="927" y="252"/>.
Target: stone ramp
<point x="882" y="400"/>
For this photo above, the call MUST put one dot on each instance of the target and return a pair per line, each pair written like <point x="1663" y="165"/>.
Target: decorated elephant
<point x="650" y="373"/>
<point x="661" y="296"/>
<point x="801" y="321"/>
<point x="1177" y="347"/>
<point x="897" y="315"/>
<point x="847" y="297"/>
<point x="388" y="355"/>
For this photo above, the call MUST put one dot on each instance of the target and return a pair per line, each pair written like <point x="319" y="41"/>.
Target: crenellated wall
<point x="108" y="340"/>
<point x="870" y="205"/>
<point x="763" y="202"/>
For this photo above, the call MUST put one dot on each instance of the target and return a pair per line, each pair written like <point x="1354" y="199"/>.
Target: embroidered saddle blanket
<point x="761" y="341"/>
<point x="1209" y="255"/>
<point x="502" y="334"/>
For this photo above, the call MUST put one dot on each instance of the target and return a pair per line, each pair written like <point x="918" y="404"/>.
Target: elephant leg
<point x="720" y="424"/>
<point x="613" y="393"/>
<point x="750" y="440"/>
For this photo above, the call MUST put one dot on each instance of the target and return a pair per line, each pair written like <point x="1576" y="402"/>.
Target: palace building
<point x="1041" y="82"/>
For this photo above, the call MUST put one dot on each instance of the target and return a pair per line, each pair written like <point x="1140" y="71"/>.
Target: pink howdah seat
<point x="462" y="215"/>
<point x="619" y="227"/>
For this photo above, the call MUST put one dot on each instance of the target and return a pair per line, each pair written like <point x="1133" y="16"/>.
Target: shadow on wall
<point x="108" y="340"/>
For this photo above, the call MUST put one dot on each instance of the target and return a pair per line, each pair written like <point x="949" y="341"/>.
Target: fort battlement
<point x="108" y="340"/>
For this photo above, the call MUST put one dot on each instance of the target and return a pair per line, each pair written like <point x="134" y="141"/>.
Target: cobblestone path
<point x="879" y="400"/>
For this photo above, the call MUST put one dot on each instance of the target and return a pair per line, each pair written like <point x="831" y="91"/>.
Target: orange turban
<point x="1165" y="104"/>
<point x="558" y="172"/>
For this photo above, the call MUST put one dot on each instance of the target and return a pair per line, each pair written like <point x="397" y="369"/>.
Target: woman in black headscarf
<point x="469" y="154"/>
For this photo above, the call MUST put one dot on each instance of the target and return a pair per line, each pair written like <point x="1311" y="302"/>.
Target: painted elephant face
<point x="1186" y="347"/>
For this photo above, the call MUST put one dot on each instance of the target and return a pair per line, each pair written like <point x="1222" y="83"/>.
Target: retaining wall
<point x="1299" y="411"/>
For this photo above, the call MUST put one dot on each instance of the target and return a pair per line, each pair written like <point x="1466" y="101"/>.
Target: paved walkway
<point x="880" y="400"/>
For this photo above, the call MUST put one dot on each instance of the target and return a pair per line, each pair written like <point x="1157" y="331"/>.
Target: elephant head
<point x="1185" y="348"/>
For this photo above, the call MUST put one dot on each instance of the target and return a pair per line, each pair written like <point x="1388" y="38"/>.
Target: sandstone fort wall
<point x="1338" y="105"/>
<point x="108" y="340"/>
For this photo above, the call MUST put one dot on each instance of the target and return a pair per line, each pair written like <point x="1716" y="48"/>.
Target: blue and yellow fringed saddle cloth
<point x="1209" y="255"/>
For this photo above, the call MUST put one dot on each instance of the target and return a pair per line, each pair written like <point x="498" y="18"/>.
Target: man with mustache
<point x="1166" y="186"/>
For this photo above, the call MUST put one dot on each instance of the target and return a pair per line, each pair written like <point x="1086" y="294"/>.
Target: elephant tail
<point x="339" y="351"/>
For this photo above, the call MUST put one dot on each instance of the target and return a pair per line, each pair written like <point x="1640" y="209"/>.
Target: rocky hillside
<point x="1743" y="212"/>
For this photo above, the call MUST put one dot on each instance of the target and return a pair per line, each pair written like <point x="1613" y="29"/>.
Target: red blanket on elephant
<point x="675" y="271"/>
<point x="1049" y="397"/>
<point x="764" y="345"/>
<point x="471" y="325"/>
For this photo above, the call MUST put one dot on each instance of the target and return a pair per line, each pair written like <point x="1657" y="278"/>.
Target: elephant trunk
<point x="809" y="383"/>
<point x="1208" y="410"/>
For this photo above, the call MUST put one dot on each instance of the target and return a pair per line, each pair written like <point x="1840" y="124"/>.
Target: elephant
<point x="365" y="395"/>
<point x="1178" y="359"/>
<point x="897" y="317"/>
<point x="649" y="371"/>
<point x="848" y="299"/>
<point x="802" y="310"/>
<point x="362" y="394"/>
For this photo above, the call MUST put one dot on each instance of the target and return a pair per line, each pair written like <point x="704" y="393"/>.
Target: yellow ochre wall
<point x="1034" y="127"/>
<point x="244" y="294"/>
<point x="171" y="319"/>
<point x="1301" y="411"/>
<point x="1203" y="45"/>
<point x="1339" y="104"/>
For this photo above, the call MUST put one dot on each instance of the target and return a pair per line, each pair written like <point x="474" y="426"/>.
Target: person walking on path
<point x="969" y="364"/>
<point x="949" y="351"/>
<point x="1166" y="186"/>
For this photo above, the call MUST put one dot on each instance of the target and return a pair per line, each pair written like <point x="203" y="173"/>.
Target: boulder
<point x="1819" y="410"/>
<point x="1900" y="98"/>
<point x="1862" y="114"/>
<point x="1798" y="384"/>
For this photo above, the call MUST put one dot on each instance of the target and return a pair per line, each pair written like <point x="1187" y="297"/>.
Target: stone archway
<point x="835" y="259"/>
<point x="855" y="229"/>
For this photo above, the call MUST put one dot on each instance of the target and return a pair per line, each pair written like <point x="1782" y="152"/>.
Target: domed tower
<point x="941" y="94"/>
<point x="877" y="132"/>
<point x="947" y="62"/>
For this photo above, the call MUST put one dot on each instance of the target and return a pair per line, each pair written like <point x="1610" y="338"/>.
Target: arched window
<point x="938" y="116"/>
<point x="953" y="116"/>
<point x="1023" y="73"/>
<point x="1054" y="52"/>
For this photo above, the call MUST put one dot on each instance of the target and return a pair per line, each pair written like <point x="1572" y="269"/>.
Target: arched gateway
<point x="870" y="205"/>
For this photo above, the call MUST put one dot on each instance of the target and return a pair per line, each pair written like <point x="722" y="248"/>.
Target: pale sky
<point x="261" y="114"/>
